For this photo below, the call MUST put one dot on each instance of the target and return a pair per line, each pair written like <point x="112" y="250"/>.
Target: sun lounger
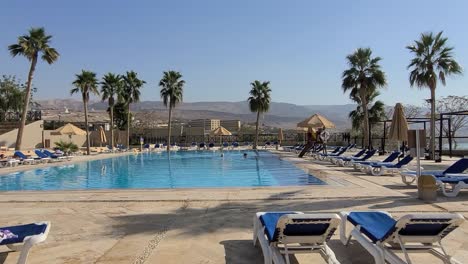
<point x="43" y="156"/>
<point x="348" y="161"/>
<point x="23" y="158"/>
<point x="281" y="234"/>
<point x="378" y="169"/>
<point x="381" y="235"/>
<point x="314" y="153"/>
<point x="457" y="182"/>
<point x="23" y="237"/>
<point x="334" y="160"/>
<point x="9" y="163"/>
<point x="388" y="160"/>
<point x="54" y="156"/>
<point x="408" y="177"/>
<point x="321" y="156"/>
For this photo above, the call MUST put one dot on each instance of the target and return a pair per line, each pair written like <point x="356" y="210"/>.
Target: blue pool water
<point x="182" y="169"/>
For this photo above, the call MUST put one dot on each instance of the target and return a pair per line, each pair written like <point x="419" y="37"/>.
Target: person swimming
<point x="222" y="155"/>
<point x="245" y="155"/>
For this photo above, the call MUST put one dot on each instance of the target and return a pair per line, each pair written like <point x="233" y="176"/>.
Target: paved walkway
<point x="207" y="226"/>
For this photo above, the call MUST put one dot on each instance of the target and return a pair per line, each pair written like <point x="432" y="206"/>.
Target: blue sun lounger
<point x="334" y="160"/>
<point x="23" y="237"/>
<point x="347" y="161"/>
<point x="23" y="158"/>
<point x="281" y="234"/>
<point x="378" y="169"/>
<point x="388" y="160"/>
<point x="330" y="155"/>
<point x="381" y="235"/>
<point x="53" y="156"/>
<point x="408" y="177"/>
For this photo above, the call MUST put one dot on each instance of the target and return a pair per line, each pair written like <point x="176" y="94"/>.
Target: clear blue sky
<point x="221" y="46"/>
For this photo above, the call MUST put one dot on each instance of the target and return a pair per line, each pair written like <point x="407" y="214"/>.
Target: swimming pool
<point x="182" y="169"/>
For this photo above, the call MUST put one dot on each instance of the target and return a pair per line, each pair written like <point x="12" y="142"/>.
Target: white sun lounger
<point x="281" y="234"/>
<point x="23" y="237"/>
<point x="381" y="235"/>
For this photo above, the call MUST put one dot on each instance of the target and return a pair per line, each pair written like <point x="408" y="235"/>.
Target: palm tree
<point x="259" y="102"/>
<point x="172" y="89"/>
<point x="376" y="112"/>
<point x="85" y="84"/>
<point x="111" y="86"/>
<point x="433" y="60"/>
<point x="130" y="94"/>
<point x="31" y="46"/>
<point x="363" y="78"/>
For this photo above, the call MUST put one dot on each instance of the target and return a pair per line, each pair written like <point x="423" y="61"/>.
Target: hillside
<point x="280" y="114"/>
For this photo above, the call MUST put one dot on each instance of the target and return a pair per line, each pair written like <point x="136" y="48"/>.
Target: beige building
<point x="206" y="125"/>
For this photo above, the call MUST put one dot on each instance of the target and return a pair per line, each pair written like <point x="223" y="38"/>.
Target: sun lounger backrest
<point x="50" y="154"/>
<point x="20" y="155"/>
<point x="306" y="228"/>
<point x="369" y="154"/>
<point x="40" y="154"/>
<point x="425" y="228"/>
<point x="393" y="156"/>
<point x="336" y="150"/>
<point x="458" y="167"/>
<point x="405" y="161"/>
<point x="360" y="153"/>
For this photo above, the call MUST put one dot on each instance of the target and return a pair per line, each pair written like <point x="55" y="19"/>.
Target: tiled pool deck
<point x="211" y="225"/>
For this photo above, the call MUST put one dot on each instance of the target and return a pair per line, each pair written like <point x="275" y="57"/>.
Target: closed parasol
<point x="102" y="135"/>
<point x="399" y="127"/>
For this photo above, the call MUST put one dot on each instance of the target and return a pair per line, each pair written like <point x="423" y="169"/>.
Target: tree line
<point x="432" y="62"/>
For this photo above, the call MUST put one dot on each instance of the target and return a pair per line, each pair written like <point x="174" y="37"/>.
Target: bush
<point x="66" y="147"/>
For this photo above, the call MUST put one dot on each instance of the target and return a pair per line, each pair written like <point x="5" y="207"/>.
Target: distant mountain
<point x="281" y="114"/>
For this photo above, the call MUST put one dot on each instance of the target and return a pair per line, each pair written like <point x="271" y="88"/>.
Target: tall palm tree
<point x="86" y="84"/>
<point x="433" y="60"/>
<point x="259" y="102"/>
<point x="363" y="77"/>
<point x="31" y="46"/>
<point x="130" y="94"/>
<point x="111" y="87"/>
<point x="376" y="112"/>
<point x="172" y="89"/>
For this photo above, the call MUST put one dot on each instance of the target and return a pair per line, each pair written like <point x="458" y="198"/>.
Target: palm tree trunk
<point x="366" y="119"/>
<point x="256" y="131"/>
<point x="433" y="130"/>
<point x="128" y="125"/>
<point x="112" y="126"/>
<point x="169" y="129"/>
<point x="88" y="143"/>
<point x="19" y="137"/>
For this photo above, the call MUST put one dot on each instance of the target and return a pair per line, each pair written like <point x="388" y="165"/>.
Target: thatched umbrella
<point x="70" y="129"/>
<point x="221" y="131"/>
<point x="316" y="121"/>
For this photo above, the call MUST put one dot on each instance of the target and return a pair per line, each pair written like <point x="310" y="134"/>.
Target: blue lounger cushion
<point x="270" y="221"/>
<point x="379" y="226"/>
<point x="375" y="225"/>
<point x="453" y="180"/>
<point x="23" y="231"/>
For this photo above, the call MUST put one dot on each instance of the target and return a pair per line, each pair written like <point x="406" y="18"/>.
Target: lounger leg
<point x="370" y="247"/>
<point x="331" y="258"/>
<point x="24" y="253"/>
